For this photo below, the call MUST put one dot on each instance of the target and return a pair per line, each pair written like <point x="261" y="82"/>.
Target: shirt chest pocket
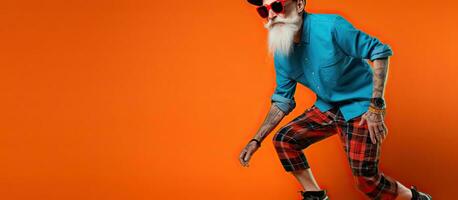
<point x="330" y="70"/>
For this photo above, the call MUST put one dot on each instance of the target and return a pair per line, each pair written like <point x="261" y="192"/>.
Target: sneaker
<point x="417" y="195"/>
<point x="314" y="195"/>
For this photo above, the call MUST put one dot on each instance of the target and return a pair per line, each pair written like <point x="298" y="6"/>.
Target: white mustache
<point x="270" y="23"/>
<point x="280" y="38"/>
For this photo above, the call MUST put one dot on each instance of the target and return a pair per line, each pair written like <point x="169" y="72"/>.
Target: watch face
<point x="379" y="102"/>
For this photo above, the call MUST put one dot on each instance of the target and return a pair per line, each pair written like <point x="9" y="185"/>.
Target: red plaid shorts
<point x="363" y="156"/>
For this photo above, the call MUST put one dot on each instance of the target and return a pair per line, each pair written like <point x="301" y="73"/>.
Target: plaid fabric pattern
<point x="363" y="156"/>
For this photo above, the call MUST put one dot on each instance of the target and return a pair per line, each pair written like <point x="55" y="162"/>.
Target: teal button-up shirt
<point x="330" y="60"/>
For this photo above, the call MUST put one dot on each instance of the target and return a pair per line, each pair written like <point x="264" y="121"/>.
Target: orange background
<point x="156" y="99"/>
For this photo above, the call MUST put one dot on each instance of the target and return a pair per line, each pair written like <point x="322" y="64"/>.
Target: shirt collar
<point x="305" y="37"/>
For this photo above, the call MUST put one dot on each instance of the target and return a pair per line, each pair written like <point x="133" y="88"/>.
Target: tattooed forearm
<point x="273" y="118"/>
<point x="380" y="76"/>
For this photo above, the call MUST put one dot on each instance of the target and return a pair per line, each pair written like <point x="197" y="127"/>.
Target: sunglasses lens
<point x="277" y="7"/>
<point x="263" y="12"/>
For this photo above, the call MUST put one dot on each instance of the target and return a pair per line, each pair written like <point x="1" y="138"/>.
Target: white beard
<point x="281" y="35"/>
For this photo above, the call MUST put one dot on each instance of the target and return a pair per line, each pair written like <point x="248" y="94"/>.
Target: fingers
<point x="369" y="127"/>
<point x="372" y="133"/>
<point x="377" y="132"/>
<point x="245" y="157"/>
<point x="363" y="119"/>
<point x="242" y="158"/>
<point x="384" y="131"/>
<point x="385" y="128"/>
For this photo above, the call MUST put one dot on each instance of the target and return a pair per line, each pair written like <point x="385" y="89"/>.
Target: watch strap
<point x="257" y="141"/>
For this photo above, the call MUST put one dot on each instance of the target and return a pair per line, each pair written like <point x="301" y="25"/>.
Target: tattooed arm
<point x="380" y="67"/>
<point x="272" y="119"/>
<point x="375" y="122"/>
<point x="282" y="103"/>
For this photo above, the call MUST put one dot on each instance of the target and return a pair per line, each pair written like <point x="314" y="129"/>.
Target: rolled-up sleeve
<point x="358" y="44"/>
<point x="283" y="95"/>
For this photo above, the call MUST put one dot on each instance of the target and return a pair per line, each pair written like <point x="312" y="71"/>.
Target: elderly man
<point x="325" y="53"/>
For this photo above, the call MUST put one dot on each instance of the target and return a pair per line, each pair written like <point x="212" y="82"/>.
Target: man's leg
<point x="306" y="179"/>
<point x="404" y="193"/>
<point x="306" y="129"/>
<point x="364" y="157"/>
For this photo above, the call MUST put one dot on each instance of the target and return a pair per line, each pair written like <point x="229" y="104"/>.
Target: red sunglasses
<point x="276" y="6"/>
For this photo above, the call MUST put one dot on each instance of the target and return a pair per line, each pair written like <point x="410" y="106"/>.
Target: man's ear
<point x="300" y="5"/>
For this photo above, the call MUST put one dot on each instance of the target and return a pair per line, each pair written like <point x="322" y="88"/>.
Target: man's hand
<point x="247" y="152"/>
<point x="376" y="126"/>
<point x="274" y="117"/>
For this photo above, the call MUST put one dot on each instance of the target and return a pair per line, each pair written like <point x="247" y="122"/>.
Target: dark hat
<point x="255" y="2"/>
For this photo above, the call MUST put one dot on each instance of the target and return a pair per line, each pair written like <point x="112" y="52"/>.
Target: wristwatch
<point x="378" y="102"/>
<point x="257" y="141"/>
